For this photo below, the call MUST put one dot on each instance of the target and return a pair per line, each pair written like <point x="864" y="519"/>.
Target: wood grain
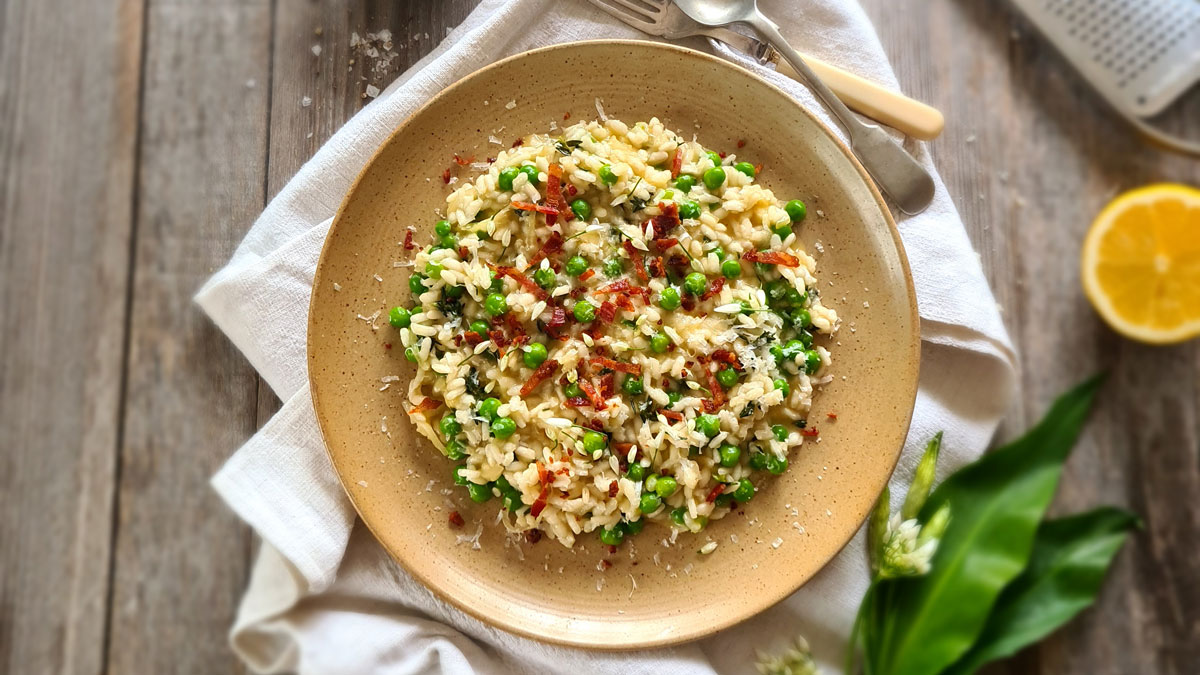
<point x="181" y="555"/>
<point x="68" y="128"/>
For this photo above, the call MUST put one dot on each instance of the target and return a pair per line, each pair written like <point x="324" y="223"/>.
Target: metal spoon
<point x="899" y="175"/>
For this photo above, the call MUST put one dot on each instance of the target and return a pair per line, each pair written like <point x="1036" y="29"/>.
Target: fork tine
<point x="647" y="10"/>
<point x="638" y="21"/>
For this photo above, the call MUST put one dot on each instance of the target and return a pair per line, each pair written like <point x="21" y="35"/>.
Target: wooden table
<point x="140" y="138"/>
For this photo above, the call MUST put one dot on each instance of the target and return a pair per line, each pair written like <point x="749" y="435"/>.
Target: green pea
<point x="594" y="441"/>
<point x="459" y="478"/>
<point x="731" y="269"/>
<point x="780" y="432"/>
<point x="776" y="290"/>
<point x="635" y="526"/>
<point x="782" y="385"/>
<point x="695" y="283"/>
<point x="633" y="385"/>
<point x="479" y="493"/>
<point x="684" y="184"/>
<point x="792" y="349"/>
<point x="531" y="173"/>
<point x="673" y="398"/>
<point x="507" y="176"/>
<point x="454" y="292"/>
<point x="495" y="304"/>
<point x="450" y="427"/>
<point x="714" y="158"/>
<point x="442" y="228"/>
<point x="410" y="353"/>
<point x="714" y="178"/>
<point x="576" y="265"/>
<point x="763" y="269"/>
<point x="612" y="536"/>
<point x="613" y="268"/>
<point x="812" y="361"/>
<point x="709" y="425"/>
<point x="730" y="454"/>
<point x="776" y="465"/>
<point x="669" y="299"/>
<point x="719" y="252"/>
<point x="783" y="230"/>
<point x="455" y="450"/>
<point x="572" y="390"/>
<point x="806" y="338"/>
<point x="399" y="317"/>
<point x="689" y="210"/>
<point x="512" y="500"/>
<point x="581" y="209"/>
<point x="679" y="514"/>
<point x="497" y="285"/>
<point x="584" y="311"/>
<point x="744" y="491"/>
<point x="666" y="487"/>
<point x="544" y="277"/>
<point x="727" y="377"/>
<point x="650" y="502"/>
<point x="758" y="460"/>
<point x="480" y="327"/>
<point x="745" y="167"/>
<point x="416" y="284"/>
<point x="794" y="298"/>
<point x="636" y="472"/>
<point x="796" y="210"/>
<point x="535" y="355"/>
<point x="724" y="499"/>
<point x="503" y="427"/>
<point x="489" y="408"/>
<point x="607" y="176"/>
<point x="777" y="351"/>
<point x="659" y="343"/>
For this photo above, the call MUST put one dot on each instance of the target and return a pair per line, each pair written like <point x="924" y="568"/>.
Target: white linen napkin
<point x="325" y="598"/>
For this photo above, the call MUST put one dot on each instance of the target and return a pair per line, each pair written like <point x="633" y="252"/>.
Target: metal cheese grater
<point x="1141" y="55"/>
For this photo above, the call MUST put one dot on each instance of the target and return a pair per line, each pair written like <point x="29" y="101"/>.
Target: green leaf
<point x="1070" y="558"/>
<point x="998" y="502"/>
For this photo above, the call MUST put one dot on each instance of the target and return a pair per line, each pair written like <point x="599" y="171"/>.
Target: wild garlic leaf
<point x="1066" y="569"/>
<point x="997" y="502"/>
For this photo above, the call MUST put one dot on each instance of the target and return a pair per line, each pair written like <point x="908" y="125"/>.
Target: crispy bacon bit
<point x="688" y="302"/>
<point x="772" y="258"/>
<point x="539" y="504"/>
<point x="408" y="240"/>
<point x="666" y="220"/>
<point x="446" y="176"/>
<point x="456" y="519"/>
<point x="608" y="386"/>
<point x="472" y="338"/>
<point x="424" y="405"/>
<point x="514" y="325"/>
<point x="718" y="393"/>
<point x="714" y="288"/>
<point x="657" y="269"/>
<point x="525" y="282"/>
<point x="518" y="143"/>
<point x="545" y="209"/>
<point x="491" y="160"/>
<point x="664" y="244"/>
<point x="596" y="424"/>
<point x="721" y="154"/>
<point x="671" y="415"/>
<point x="554" y="244"/>
<point x="566" y="116"/>
<point x="577" y="292"/>
<point x="577" y="402"/>
<point x="831" y="415"/>
<point x="572" y="190"/>
<point x="539" y="375"/>
<point x="677" y="262"/>
<point x="605" y="563"/>
<point x="623" y="448"/>
<point x="758" y="168"/>
<point x="811" y="432"/>
<point x="709" y="406"/>
<point x="726" y="356"/>
<point x="615" y="287"/>
<point x="544" y="476"/>
<point x="387" y="345"/>
<point x="587" y="274"/>
<point x="558" y="319"/>
<point x="554" y="197"/>
<point x="741" y="144"/>
<point x="613" y="489"/>
<point x="619" y="366"/>
<point x="639" y="265"/>
<point x="607" y="311"/>
<point x="677" y="163"/>
<point x="715" y="492"/>
<point x="624" y="303"/>
<point x="533" y="536"/>
<point x="498" y="338"/>
<point x="589" y="390"/>
<point x="463" y="161"/>
<point x="463" y="252"/>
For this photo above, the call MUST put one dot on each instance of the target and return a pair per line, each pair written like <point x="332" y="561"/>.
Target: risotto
<point x="614" y="326"/>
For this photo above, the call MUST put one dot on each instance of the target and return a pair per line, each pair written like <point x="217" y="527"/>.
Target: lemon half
<point x="1141" y="263"/>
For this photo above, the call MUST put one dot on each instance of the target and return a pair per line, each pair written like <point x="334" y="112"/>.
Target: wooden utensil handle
<point x="896" y="110"/>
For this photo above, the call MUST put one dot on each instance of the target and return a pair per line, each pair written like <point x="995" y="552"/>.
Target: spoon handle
<point x="898" y="174"/>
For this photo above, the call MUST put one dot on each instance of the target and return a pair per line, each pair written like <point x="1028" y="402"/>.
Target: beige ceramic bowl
<point x="401" y="485"/>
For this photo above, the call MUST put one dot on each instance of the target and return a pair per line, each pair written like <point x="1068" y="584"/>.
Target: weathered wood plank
<point x="68" y="129"/>
<point x="181" y="556"/>
<point x="1030" y="155"/>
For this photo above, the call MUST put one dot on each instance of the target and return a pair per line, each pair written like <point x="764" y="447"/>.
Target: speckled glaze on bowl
<point x="396" y="479"/>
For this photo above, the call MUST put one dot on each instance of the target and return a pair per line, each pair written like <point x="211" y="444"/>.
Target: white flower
<point x="795" y="660"/>
<point x="908" y="547"/>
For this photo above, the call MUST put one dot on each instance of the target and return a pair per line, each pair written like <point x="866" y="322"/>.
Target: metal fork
<point x="662" y="18"/>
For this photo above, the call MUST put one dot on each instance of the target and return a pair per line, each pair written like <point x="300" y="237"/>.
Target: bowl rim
<point x="723" y="622"/>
